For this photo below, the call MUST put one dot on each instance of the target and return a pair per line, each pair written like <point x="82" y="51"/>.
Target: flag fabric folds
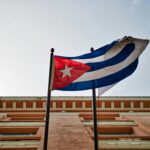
<point x="102" y="68"/>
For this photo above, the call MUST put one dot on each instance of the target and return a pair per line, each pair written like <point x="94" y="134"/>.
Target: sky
<point x="30" y="28"/>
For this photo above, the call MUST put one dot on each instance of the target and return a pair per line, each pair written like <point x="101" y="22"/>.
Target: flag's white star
<point x="66" y="71"/>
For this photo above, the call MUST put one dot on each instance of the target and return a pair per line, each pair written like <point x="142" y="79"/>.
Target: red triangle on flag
<point x="66" y="71"/>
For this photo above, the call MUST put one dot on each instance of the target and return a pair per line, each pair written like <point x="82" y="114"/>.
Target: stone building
<point x="123" y="123"/>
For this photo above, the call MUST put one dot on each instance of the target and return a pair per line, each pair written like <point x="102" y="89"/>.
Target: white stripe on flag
<point x="110" y="54"/>
<point x="102" y="90"/>
<point x="139" y="47"/>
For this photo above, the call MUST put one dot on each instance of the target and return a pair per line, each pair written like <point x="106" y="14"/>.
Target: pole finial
<point x="92" y="49"/>
<point x="52" y="50"/>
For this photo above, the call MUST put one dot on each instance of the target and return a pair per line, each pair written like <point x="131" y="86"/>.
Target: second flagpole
<point x="48" y="101"/>
<point x="94" y="113"/>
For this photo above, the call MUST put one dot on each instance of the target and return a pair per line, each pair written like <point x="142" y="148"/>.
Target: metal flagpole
<point x="48" y="101"/>
<point x="94" y="114"/>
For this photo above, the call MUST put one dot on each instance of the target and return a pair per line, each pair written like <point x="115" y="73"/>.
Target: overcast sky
<point x="30" y="28"/>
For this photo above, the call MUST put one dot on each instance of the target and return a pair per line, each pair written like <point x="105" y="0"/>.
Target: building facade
<point x="123" y="123"/>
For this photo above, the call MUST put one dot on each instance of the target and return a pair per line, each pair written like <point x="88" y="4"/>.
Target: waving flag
<point x="102" y="68"/>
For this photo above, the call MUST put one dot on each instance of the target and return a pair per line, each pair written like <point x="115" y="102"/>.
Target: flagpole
<point x="94" y="114"/>
<point x="48" y="101"/>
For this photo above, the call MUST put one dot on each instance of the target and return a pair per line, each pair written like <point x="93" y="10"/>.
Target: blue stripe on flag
<point x="96" y="53"/>
<point x="105" y="81"/>
<point x="126" y="51"/>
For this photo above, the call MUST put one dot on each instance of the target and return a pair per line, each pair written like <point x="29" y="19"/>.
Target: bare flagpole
<point x="94" y="114"/>
<point x="48" y="101"/>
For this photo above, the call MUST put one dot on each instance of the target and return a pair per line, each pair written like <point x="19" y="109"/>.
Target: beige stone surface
<point x="19" y="144"/>
<point x="128" y="144"/>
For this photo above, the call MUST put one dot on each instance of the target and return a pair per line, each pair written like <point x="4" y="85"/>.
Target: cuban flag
<point x="101" y="69"/>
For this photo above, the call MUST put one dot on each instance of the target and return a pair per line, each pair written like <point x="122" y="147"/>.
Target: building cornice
<point x="75" y="98"/>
